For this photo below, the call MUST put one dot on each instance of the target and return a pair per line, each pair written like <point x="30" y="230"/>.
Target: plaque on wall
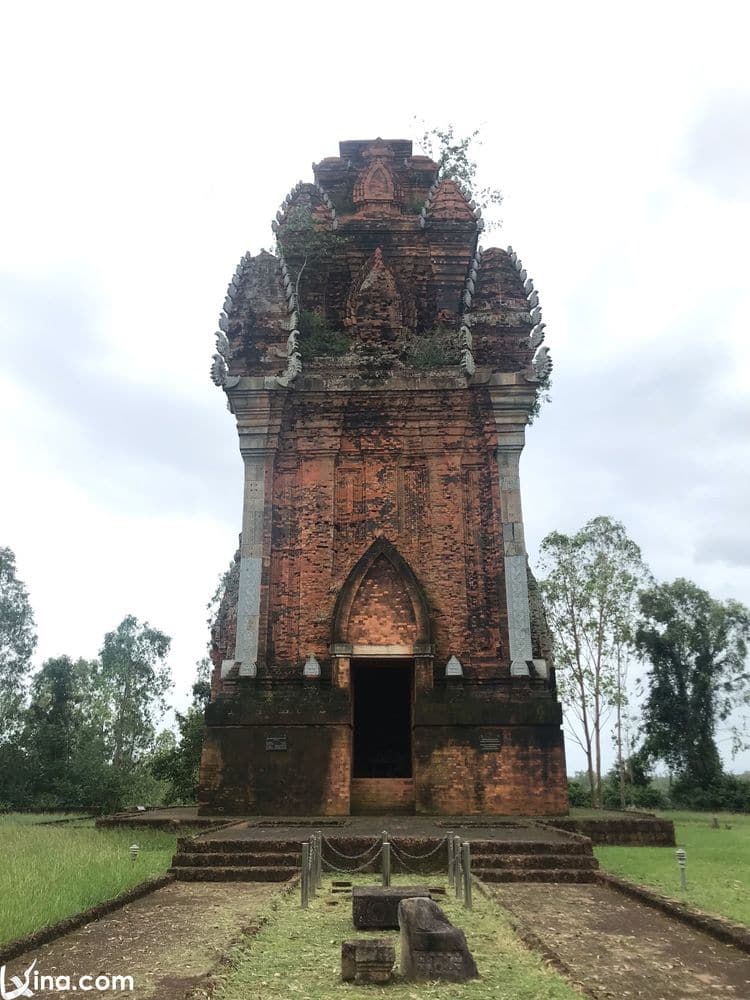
<point x="489" y="742"/>
<point x="276" y="742"/>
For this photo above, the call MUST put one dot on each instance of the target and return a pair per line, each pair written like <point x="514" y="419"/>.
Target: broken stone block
<point x="375" y="908"/>
<point x="367" y="960"/>
<point x="431" y="947"/>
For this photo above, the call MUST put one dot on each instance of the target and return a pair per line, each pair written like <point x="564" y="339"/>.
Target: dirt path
<point x="167" y="941"/>
<point x="618" y="947"/>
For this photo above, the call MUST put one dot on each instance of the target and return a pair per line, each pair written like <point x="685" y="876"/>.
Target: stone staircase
<point x="236" y="860"/>
<point x="533" y="861"/>
<point x="567" y="858"/>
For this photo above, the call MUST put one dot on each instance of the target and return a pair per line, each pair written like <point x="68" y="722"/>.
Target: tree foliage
<point x="17" y="643"/>
<point x="134" y="681"/>
<point x="179" y="764"/>
<point x="590" y="589"/>
<point x="454" y="156"/>
<point x="306" y="242"/>
<point x="696" y="648"/>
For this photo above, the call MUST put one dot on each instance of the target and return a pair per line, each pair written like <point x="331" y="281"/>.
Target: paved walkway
<point x="617" y="947"/>
<point x="167" y="941"/>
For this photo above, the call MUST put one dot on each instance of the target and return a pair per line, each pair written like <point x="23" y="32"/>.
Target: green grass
<point x="33" y="819"/>
<point x="718" y="863"/>
<point x="52" y="871"/>
<point x="297" y="956"/>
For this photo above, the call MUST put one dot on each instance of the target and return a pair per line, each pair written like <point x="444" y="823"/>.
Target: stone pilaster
<point x="511" y="408"/>
<point x="257" y="410"/>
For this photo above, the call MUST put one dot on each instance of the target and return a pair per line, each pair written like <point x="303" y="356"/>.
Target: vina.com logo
<point x="33" y="982"/>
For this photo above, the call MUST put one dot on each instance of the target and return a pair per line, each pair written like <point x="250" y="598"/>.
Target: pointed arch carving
<point x="376" y="186"/>
<point x="378" y="305"/>
<point x="345" y="602"/>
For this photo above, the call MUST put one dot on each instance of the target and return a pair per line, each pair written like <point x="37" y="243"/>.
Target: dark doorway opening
<point x="382" y="718"/>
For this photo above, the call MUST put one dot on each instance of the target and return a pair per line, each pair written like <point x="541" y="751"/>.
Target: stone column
<point x="510" y="409"/>
<point x="251" y="566"/>
<point x="257" y="426"/>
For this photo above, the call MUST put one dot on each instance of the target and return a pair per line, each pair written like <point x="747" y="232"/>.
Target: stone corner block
<point x="431" y="947"/>
<point x="367" y="960"/>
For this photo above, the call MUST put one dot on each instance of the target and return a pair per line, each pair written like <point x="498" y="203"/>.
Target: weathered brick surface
<point x="426" y="480"/>
<point x="381" y="528"/>
<point x="382" y="796"/>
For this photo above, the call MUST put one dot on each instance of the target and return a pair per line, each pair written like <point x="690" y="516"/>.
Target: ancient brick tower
<point x="380" y="646"/>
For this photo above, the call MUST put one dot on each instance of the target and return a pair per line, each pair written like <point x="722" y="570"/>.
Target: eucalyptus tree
<point x="590" y="588"/>
<point x="134" y="678"/>
<point x="17" y="644"/>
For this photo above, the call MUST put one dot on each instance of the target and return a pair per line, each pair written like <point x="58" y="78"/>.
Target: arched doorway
<point x="381" y="628"/>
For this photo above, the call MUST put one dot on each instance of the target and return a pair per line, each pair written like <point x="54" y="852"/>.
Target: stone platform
<point x="503" y="848"/>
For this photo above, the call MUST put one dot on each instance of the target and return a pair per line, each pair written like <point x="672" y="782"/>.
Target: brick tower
<point x="380" y="646"/>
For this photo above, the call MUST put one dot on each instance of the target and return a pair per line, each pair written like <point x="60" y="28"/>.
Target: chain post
<point x="319" y="858"/>
<point x="305" y="875"/>
<point x="457" y="864"/>
<point x="458" y="880"/>
<point x="466" y="865"/>
<point x="386" y="863"/>
<point x="450" y="856"/>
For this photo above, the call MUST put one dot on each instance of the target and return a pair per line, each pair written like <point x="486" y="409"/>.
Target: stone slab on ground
<point x="375" y="908"/>
<point x="618" y="947"/>
<point x="168" y="941"/>
<point x="431" y="946"/>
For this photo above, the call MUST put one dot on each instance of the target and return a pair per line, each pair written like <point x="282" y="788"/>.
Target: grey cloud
<point x="717" y="153"/>
<point x="145" y="449"/>
<point x="651" y="439"/>
<point x="730" y="549"/>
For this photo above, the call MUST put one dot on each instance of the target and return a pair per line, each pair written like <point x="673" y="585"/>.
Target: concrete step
<point x="190" y="846"/>
<point x="242" y="859"/>
<point x="530" y="846"/>
<point x="232" y="874"/>
<point x="535" y="861"/>
<point x="535" y="874"/>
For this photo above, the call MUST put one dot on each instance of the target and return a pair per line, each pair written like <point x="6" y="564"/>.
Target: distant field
<point x="718" y="863"/>
<point x="52" y="870"/>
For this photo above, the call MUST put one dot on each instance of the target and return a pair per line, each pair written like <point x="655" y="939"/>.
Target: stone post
<point x="256" y="410"/>
<point x="511" y="411"/>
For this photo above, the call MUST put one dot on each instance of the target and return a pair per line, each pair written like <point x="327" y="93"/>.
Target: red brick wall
<point x="382" y="612"/>
<point x="423" y="475"/>
<point x="526" y="776"/>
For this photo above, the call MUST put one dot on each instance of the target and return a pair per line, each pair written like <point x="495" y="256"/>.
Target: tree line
<point x="607" y="613"/>
<point x="84" y="734"/>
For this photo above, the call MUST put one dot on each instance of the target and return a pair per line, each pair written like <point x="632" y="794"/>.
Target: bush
<point x="728" y="793"/>
<point x="316" y="337"/>
<point x="578" y="796"/>
<point x="641" y="796"/>
<point x="436" y="349"/>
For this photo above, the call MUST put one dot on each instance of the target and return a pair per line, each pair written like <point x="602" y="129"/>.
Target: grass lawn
<point x="52" y="870"/>
<point x="718" y="863"/>
<point x="297" y="956"/>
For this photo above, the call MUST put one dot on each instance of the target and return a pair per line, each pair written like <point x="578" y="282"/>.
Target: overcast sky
<point x="148" y="145"/>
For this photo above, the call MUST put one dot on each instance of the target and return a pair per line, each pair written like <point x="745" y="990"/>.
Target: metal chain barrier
<point x="403" y="862"/>
<point x="420" y="857"/>
<point x="313" y="863"/>
<point x="354" y="857"/>
<point x="331" y="867"/>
